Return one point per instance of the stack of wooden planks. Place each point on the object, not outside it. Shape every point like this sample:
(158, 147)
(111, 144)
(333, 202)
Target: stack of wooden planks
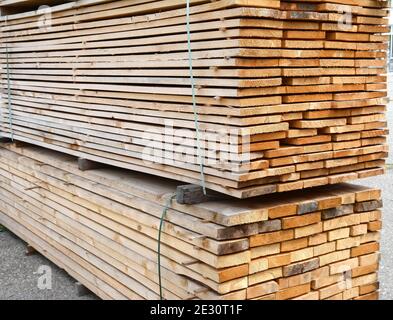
(290, 94)
(101, 226)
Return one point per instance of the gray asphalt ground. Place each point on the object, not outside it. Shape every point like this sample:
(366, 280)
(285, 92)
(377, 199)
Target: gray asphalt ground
(21, 276)
(18, 272)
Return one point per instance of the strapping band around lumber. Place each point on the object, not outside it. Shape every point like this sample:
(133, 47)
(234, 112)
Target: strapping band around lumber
(202, 171)
(164, 212)
(10, 120)
(194, 103)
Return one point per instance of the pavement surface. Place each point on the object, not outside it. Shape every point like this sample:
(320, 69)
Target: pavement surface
(32, 277)
(21, 275)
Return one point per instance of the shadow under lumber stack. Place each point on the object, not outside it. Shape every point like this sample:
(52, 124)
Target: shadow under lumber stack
(290, 95)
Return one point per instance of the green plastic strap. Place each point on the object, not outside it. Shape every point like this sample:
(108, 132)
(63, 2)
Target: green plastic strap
(163, 216)
(194, 103)
(10, 117)
(200, 157)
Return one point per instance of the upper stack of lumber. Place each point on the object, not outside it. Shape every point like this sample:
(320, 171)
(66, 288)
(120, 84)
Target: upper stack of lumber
(292, 84)
(102, 226)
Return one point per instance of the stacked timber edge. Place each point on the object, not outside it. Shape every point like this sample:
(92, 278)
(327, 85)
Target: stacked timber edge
(290, 94)
(101, 226)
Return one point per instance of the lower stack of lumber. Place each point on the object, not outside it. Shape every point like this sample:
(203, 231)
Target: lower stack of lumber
(101, 226)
